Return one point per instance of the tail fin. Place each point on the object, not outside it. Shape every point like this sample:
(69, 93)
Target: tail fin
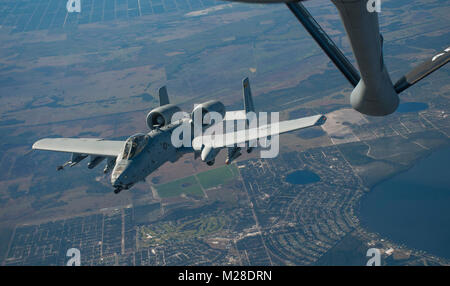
(248, 100)
(248, 107)
(163, 96)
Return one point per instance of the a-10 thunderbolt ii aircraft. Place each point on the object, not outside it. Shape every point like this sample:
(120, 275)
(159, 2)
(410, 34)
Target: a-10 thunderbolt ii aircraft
(133, 160)
(374, 92)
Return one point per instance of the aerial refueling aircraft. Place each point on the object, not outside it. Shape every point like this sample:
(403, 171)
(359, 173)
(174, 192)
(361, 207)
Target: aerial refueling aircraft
(373, 93)
(133, 160)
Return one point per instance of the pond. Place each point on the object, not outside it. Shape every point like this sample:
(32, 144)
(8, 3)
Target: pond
(412, 107)
(302, 177)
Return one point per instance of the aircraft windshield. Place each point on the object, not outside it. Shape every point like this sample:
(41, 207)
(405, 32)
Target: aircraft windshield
(134, 145)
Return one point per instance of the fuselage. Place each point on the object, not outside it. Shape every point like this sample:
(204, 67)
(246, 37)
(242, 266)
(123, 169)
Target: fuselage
(157, 150)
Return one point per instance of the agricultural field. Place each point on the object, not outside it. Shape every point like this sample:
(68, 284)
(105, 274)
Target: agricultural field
(184, 186)
(195, 184)
(218, 176)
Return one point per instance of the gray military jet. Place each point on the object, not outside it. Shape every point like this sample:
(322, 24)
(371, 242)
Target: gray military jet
(133, 160)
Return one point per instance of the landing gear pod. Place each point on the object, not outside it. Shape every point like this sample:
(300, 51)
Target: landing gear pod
(95, 160)
(209, 155)
(109, 165)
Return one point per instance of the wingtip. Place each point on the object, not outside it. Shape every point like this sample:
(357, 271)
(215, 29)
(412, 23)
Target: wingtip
(322, 119)
(35, 145)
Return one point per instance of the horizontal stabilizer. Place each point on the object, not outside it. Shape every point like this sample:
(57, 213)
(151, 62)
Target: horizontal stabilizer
(423, 70)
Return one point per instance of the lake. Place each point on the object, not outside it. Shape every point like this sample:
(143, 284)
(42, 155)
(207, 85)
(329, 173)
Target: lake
(412, 107)
(413, 207)
(302, 177)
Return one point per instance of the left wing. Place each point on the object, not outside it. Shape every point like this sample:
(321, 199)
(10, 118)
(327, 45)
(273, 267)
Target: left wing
(242, 136)
(87, 146)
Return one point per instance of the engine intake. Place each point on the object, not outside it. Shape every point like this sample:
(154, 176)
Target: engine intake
(161, 116)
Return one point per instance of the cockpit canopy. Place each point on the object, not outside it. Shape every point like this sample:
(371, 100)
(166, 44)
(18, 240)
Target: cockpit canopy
(134, 145)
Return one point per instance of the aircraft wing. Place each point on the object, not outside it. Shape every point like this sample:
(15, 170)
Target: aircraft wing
(87, 146)
(241, 136)
(235, 115)
(423, 70)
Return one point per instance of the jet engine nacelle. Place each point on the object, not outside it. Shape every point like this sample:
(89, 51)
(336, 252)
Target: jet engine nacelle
(207, 107)
(161, 116)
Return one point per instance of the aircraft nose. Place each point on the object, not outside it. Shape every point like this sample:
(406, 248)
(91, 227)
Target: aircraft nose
(119, 176)
(122, 182)
(116, 182)
(120, 179)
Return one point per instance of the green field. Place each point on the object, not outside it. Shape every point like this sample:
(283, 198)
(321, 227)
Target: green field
(192, 185)
(216, 177)
(187, 186)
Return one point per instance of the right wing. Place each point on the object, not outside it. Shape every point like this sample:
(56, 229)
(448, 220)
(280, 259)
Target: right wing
(423, 70)
(246, 135)
(87, 146)
(235, 115)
